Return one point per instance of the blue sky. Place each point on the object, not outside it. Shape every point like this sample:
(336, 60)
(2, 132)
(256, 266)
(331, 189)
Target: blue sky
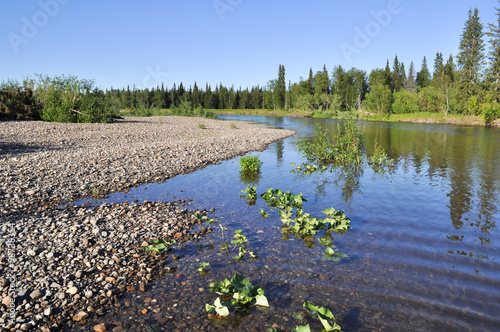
(241, 42)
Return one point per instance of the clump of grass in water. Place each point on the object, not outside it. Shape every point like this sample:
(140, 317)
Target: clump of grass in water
(250, 164)
(346, 149)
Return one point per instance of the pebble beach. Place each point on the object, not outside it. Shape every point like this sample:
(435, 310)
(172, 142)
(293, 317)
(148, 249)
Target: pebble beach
(61, 264)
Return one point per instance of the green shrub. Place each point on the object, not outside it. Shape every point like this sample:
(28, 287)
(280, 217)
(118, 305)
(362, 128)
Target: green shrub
(18, 102)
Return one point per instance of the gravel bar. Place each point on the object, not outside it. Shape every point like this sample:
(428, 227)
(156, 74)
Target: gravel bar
(61, 264)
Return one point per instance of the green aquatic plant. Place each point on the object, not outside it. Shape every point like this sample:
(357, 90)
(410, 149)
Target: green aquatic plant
(280, 199)
(202, 266)
(250, 194)
(380, 158)
(237, 294)
(239, 239)
(346, 149)
(159, 246)
(322, 314)
(250, 163)
(203, 219)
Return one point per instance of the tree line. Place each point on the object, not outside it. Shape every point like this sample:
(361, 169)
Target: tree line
(467, 84)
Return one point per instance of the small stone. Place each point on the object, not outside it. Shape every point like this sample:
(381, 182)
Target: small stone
(6, 301)
(72, 290)
(78, 274)
(31, 253)
(26, 327)
(142, 286)
(4, 282)
(117, 329)
(81, 315)
(47, 311)
(110, 279)
(99, 328)
(36, 294)
(144, 311)
(131, 288)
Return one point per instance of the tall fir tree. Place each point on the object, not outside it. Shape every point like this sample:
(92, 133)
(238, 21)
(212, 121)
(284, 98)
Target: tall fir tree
(310, 81)
(470, 61)
(195, 96)
(397, 83)
(410, 80)
(449, 69)
(438, 74)
(280, 89)
(423, 76)
(493, 72)
(388, 76)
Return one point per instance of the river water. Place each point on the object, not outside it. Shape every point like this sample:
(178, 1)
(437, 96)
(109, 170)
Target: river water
(422, 251)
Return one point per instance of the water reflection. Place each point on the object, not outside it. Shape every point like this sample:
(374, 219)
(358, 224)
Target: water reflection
(462, 161)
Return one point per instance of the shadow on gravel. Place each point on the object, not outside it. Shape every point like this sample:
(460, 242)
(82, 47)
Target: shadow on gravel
(16, 149)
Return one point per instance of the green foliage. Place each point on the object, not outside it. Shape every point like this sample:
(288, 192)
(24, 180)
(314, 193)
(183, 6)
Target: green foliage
(236, 294)
(202, 125)
(69, 99)
(186, 108)
(405, 102)
(239, 239)
(280, 199)
(303, 223)
(159, 246)
(380, 157)
(490, 110)
(346, 149)
(250, 164)
(379, 100)
(323, 314)
(473, 106)
(250, 194)
(18, 103)
(202, 267)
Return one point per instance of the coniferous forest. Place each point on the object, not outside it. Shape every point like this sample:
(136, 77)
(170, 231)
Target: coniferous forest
(466, 84)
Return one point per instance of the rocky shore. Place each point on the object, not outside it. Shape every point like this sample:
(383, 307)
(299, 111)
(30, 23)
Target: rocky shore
(61, 263)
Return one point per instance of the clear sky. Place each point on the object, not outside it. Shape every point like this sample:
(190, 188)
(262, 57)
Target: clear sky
(241, 42)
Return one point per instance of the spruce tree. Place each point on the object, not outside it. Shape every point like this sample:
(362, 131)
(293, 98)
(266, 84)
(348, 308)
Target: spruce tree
(195, 96)
(310, 81)
(396, 76)
(410, 81)
(493, 72)
(280, 89)
(388, 76)
(438, 75)
(470, 60)
(449, 70)
(423, 76)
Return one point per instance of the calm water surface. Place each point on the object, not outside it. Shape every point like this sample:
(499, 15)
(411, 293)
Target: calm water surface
(422, 250)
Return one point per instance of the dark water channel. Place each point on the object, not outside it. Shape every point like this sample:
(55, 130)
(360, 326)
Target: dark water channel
(422, 250)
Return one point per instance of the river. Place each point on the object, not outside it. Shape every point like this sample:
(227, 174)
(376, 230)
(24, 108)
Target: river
(422, 251)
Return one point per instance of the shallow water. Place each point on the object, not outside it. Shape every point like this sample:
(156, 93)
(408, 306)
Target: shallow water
(422, 250)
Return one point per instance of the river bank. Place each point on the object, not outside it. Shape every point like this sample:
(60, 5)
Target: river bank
(61, 264)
